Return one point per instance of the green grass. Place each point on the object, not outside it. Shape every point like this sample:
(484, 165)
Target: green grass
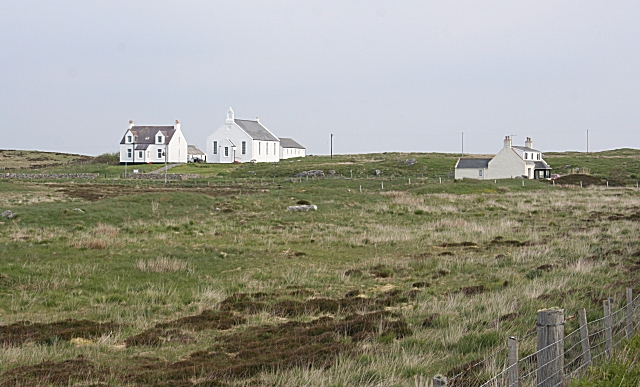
(148, 254)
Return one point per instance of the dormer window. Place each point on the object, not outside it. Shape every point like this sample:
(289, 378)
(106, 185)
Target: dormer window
(159, 139)
(129, 138)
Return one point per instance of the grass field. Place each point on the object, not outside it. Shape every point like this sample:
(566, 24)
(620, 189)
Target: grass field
(211, 282)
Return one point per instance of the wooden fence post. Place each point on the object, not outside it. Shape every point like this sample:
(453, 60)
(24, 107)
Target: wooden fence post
(550, 353)
(584, 337)
(629, 313)
(514, 372)
(608, 324)
(439, 381)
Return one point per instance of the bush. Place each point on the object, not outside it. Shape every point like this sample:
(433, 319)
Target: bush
(107, 158)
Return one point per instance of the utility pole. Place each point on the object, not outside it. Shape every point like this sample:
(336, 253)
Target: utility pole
(462, 153)
(165, 164)
(331, 146)
(587, 140)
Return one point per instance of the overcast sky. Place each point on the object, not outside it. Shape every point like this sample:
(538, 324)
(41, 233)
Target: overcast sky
(379, 75)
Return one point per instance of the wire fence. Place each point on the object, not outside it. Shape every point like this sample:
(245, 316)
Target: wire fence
(555, 352)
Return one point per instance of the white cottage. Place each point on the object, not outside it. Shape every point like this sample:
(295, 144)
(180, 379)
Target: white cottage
(239, 141)
(290, 149)
(511, 162)
(153, 144)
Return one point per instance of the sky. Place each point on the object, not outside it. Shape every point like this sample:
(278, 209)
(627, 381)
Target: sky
(381, 76)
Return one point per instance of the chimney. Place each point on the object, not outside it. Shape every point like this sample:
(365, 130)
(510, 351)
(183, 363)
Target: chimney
(528, 143)
(130, 124)
(177, 125)
(258, 119)
(507, 142)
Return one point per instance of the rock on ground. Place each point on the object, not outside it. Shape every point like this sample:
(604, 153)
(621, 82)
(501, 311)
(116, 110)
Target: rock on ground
(305, 208)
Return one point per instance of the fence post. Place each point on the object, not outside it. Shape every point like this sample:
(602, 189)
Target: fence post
(584, 337)
(629, 313)
(514, 372)
(608, 323)
(550, 369)
(439, 381)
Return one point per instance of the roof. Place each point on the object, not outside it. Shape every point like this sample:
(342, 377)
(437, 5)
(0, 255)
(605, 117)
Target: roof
(194, 150)
(147, 134)
(289, 143)
(542, 165)
(255, 130)
(526, 149)
(142, 146)
(473, 163)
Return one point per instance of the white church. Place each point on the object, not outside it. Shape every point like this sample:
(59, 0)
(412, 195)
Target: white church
(242, 140)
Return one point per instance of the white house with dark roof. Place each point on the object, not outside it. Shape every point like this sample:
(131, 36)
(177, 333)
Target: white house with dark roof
(153, 144)
(289, 148)
(241, 140)
(511, 162)
(194, 154)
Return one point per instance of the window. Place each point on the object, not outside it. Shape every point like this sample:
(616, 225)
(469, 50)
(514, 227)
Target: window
(274, 148)
(140, 154)
(159, 153)
(129, 153)
(244, 147)
(259, 147)
(159, 139)
(480, 172)
(215, 147)
(226, 151)
(128, 138)
(538, 156)
(525, 155)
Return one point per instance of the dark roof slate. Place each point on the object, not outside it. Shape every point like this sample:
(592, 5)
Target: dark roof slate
(147, 134)
(286, 142)
(255, 130)
(526, 149)
(473, 163)
(542, 165)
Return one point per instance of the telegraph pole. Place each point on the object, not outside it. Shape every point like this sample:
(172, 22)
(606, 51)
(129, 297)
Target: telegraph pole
(587, 140)
(332, 146)
(462, 153)
(165, 163)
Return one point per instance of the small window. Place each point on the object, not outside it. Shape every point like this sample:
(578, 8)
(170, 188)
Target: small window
(140, 154)
(159, 153)
(274, 148)
(128, 138)
(525, 155)
(129, 153)
(226, 151)
(538, 156)
(159, 139)
(215, 147)
(480, 172)
(244, 147)
(259, 145)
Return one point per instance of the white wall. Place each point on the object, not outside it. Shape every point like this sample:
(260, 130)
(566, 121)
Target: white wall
(266, 151)
(471, 173)
(288, 153)
(177, 149)
(229, 135)
(506, 165)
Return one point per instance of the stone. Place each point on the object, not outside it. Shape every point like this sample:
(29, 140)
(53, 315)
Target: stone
(78, 210)
(312, 173)
(303, 208)
(377, 172)
(410, 162)
(7, 214)
(332, 172)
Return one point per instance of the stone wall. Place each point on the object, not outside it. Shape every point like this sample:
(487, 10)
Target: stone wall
(160, 176)
(49, 175)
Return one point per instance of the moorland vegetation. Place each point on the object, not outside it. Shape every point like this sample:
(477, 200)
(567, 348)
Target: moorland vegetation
(211, 282)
